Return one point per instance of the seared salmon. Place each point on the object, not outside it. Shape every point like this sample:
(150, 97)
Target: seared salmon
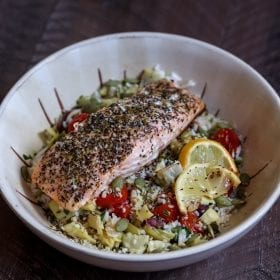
(115, 141)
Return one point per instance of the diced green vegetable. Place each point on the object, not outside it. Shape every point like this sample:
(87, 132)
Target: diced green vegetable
(203, 132)
(131, 81)
(25, 174)
(95, 222)
(88, 104)
(151, 75)
(209, 217)
(77, 230)
(102, 215)
(56, 210)
(215, 228)
(245, 179)
(49, 136)
(133, 229)
(27, 157)
(117, 183)
(130, 90)
(59, 213)
(179, 231)
(157, 246)
(144, 213)
(223, 201)
(195, 239)
(140, 183)
(110, 241)
(103, 91)
(186, 136)
(167, 176)
(122, 225)
(136, 244)
(176, 146)
(90, 206)
(113, 83)
(159, 234)
(108, 101)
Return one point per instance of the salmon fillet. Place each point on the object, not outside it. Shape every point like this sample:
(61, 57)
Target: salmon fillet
(116, 141)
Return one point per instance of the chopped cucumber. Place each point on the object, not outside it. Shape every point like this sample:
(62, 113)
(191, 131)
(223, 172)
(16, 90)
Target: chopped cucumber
(167, 176)
(223, 201)
(157, 246)
(144, 213)
(49, 136)
(113, 83)
(159, 234)
(110, 241)
(134, 229)
(209, 217)
(77, 230)
(136, 244)
(95, 222)
(195, 239)
(89, 104)
(58, 212)
(90, 206)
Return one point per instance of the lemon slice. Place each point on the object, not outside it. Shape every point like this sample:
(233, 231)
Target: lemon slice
(202, 181)
(206, 151)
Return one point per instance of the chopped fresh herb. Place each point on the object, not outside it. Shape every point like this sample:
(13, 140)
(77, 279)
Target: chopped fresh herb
(180, 230)
(27, 157)
(102, 215)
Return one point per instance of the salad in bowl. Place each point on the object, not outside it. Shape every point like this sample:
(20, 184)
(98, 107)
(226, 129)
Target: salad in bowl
(139, 166)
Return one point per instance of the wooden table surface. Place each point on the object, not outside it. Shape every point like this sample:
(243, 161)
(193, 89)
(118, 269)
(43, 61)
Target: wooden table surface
(31, 30)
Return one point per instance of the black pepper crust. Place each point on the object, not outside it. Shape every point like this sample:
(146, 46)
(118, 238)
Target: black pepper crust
(80, 160)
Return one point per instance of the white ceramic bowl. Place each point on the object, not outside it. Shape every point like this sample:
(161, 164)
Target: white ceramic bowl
(241, 94)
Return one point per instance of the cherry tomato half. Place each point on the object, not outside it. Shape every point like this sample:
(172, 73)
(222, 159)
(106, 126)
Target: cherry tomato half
(113, 199)
(190, 221)
(123, 210)
(77, 119)
(168, 212)
(228, 138)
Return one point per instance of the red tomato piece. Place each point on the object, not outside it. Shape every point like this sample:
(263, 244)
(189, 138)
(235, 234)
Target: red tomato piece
(113, 199)
(77, 119)
(168, 212)
(228, 138)
(123, 210)
(190, 221)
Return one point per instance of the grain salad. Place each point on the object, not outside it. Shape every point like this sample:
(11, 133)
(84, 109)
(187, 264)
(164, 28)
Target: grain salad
(139, 166)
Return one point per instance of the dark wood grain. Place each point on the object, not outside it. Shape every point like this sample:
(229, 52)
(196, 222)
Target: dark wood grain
(31, 30)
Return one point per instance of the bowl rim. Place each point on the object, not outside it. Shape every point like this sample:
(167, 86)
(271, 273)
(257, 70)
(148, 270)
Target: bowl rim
(55, 238)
